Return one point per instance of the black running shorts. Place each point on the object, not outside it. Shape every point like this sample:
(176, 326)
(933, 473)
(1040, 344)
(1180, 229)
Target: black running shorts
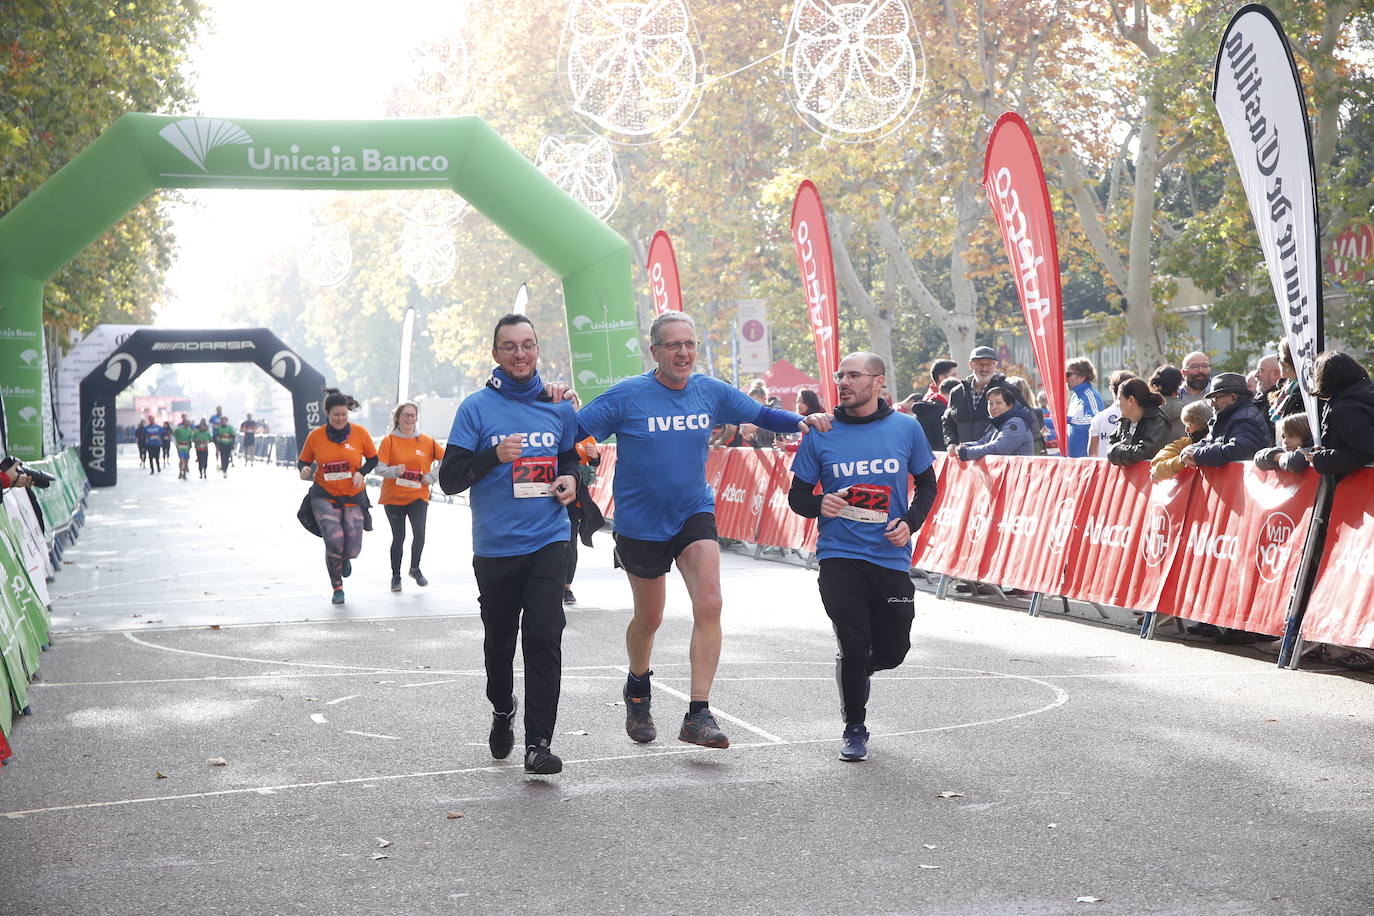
(651, 559)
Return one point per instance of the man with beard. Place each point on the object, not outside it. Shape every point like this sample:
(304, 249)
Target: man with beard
(515, 448)
(1197, 377)
(665, 512)
(866, 526)
(967, 417)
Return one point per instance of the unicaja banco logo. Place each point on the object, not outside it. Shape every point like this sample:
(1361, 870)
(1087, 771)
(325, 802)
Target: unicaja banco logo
(28, 356)
(196, 138)
(28, 414)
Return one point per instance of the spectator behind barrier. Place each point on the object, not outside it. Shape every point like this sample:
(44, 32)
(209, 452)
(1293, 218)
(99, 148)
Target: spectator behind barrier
(1296, 435)
(1197, 376)
(1237, 431)
(1166, 381)
(1196, 417)
(1104, 422)
(1143, 429)
(1008, 430)
(1037, 419)
(808, 402)
(967, 417)
(1084, 403)
(1348, 424)
(1042, 398)
(1286, 398)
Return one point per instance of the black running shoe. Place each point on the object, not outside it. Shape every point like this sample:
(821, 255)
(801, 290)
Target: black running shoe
(395, 583)
(542, 761)
(418, 576)
(855, 746)
(701, 728)
(502, 737)
(639, 723)
(568, 597)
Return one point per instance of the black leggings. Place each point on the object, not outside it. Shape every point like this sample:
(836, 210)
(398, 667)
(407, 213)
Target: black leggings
(154, 459)
(870, 607)
(397, 515)
(203, 458)
(225, 453)
(532, 584)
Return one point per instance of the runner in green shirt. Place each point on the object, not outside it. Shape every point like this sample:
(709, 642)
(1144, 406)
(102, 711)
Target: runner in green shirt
(202, 438)
(182, 434)
(224, 439)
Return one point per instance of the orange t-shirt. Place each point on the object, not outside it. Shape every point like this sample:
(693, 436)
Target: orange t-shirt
(337, 462)
(418, 454)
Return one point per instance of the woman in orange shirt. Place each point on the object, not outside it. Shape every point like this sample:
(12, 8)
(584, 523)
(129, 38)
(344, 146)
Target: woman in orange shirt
(407, 462)
(338, 456)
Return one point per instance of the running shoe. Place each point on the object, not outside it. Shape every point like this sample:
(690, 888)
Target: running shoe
(502, 736)
(639, 723)
(395, 583)
(418, 576)
(568, 597)
(338, 596)
(701, 728)
(347, 568)
(855, 746)
(542, 761)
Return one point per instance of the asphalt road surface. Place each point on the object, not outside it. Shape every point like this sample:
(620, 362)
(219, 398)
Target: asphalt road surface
(210, 735)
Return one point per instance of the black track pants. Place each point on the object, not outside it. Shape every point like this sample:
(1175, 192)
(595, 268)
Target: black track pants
(532, 584)
(416, 511)
(871, 610)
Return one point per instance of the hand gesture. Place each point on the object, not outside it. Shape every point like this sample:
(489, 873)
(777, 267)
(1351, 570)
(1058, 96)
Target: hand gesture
(820, 422)
(510, 448)
(565, 489)
(832, 503)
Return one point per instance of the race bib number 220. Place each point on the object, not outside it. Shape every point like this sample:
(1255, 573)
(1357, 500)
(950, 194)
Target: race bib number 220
(533, 477)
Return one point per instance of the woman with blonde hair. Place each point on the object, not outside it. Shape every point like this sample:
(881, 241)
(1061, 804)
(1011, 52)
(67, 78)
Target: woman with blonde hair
(407, 462)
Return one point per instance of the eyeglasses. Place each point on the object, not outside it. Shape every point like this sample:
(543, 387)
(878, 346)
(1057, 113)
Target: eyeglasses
(1195, 366)
(854, 376)
(676, 345)
(510, 348)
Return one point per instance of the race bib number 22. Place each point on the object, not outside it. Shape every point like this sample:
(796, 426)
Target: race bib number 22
(868, 503)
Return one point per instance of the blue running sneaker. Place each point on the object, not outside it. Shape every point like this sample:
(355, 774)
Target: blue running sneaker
(855, 747)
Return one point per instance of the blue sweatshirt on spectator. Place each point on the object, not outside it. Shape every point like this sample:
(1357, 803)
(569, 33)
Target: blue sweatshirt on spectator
(1009, 434)
(1084, 402)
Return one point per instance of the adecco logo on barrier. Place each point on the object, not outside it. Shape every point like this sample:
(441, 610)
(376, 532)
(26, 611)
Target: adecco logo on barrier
(1271, 553)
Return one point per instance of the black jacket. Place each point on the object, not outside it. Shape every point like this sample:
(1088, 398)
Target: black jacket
(930, 414)
(1235, 435)
(967, 417)
(1347, 431)
(1134, 442)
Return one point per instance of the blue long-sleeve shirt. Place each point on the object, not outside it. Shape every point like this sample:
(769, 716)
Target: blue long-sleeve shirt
(1084, 402)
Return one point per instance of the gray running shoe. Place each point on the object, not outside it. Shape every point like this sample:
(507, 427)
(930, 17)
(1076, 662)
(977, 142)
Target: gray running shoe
(701, 728)
(639, 723)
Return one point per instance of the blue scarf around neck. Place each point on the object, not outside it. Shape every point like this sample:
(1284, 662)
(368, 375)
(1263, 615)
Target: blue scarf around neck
(526, 391)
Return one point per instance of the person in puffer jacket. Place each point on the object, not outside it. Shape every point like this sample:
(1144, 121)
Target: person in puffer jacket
(1237, 432)
(1348, 423)
(1009, 429)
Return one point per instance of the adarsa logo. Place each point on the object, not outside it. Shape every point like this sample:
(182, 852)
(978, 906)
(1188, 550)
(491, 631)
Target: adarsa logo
(98, 451)
(197, 345)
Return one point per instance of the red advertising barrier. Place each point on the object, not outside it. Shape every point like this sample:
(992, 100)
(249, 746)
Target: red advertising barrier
(954, 537)
(779, 526)
(1341, 609)
(1037, 514)
(1240, 547)
(743, 490)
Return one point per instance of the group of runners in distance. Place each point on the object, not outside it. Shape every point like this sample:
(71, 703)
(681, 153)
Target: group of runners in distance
(514, 445)
(155, 441)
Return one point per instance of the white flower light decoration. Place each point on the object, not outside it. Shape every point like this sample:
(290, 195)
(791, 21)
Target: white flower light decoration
(855, 69)
(427, 253)
(632, 67)
(326, 256)
(429, 206)
(438, 84)
(585, 167)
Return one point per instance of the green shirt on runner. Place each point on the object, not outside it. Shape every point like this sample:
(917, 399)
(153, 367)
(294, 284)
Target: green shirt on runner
(224, 434)
(183, 436)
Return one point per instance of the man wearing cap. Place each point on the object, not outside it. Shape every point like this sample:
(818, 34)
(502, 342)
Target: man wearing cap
(967, 417)
(1237, 430)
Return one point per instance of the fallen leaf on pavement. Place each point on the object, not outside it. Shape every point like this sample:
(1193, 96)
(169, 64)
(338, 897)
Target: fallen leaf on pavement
(379, 855)
(453, 814)
(950, 795)
(217, 762)
(214, 626)
(928, 845)
(382, 844)
(1088, 900)
(159, 775)
(927, 866)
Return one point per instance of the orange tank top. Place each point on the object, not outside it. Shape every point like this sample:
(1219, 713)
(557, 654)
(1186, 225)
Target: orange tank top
(337, 462)
(418, 455)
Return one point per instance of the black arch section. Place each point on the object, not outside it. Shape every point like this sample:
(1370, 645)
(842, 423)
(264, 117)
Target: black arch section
(148, 346)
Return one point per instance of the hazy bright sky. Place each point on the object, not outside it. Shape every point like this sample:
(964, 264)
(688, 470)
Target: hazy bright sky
(308, 59)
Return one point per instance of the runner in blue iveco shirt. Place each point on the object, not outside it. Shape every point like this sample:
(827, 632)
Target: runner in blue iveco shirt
(866, 528)
(665, 512)
(515, 449)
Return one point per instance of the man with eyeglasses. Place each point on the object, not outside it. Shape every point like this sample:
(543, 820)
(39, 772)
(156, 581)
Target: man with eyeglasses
(1197, 377)
(515, 448)
(866, 527)
(665, 511)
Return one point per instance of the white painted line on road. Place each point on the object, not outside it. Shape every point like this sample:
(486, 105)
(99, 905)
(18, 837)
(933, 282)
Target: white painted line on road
(767, 736)
(292, 675)
(178, 575)
(370, 735)
(213, 599)
(351, 696)
(267, 661)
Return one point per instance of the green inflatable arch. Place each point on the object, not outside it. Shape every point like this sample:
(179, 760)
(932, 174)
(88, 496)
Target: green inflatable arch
(140, 153)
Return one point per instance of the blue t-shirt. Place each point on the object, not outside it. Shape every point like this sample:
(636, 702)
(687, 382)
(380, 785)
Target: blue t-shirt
(153, 435)
(661, 446)
(505, 524)
(874, 455)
